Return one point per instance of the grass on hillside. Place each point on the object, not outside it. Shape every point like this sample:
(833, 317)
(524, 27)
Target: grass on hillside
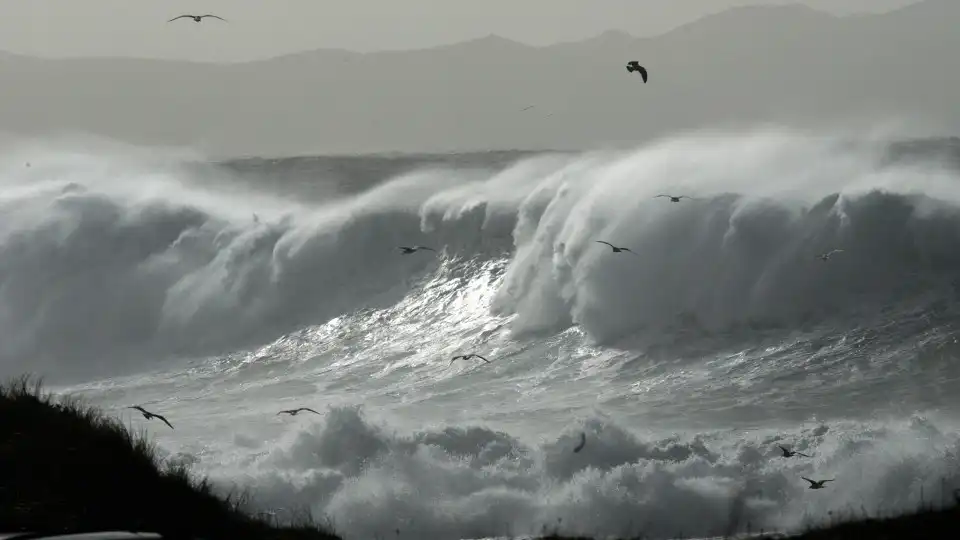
(66, 467)
(928, 523)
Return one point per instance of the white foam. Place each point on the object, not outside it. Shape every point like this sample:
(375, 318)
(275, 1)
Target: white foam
(475, 482)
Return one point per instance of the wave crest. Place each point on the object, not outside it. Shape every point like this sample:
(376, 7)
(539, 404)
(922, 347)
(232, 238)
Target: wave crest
(105, 263)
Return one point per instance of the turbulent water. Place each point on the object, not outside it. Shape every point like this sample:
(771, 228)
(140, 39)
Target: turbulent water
(219, 293)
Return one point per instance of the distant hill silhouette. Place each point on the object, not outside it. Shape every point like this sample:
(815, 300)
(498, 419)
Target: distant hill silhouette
(746, 65)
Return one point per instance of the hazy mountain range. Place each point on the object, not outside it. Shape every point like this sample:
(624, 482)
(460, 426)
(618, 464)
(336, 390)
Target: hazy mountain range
(746, 65)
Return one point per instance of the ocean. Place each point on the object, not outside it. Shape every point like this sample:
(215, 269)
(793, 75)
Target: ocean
(219, 293)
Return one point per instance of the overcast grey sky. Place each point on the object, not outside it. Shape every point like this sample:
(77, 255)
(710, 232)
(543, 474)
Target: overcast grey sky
(264, 28)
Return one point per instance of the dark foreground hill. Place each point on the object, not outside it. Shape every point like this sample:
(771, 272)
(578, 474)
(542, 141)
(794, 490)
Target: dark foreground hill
(931, 524)
(66, 467)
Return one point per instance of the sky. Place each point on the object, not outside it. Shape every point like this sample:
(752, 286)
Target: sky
(266, 28)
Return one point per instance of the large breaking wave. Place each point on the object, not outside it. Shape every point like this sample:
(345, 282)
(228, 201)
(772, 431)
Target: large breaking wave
(103, 260)
(242, 297)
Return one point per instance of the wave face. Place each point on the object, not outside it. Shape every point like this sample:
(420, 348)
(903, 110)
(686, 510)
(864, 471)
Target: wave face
(221, 293)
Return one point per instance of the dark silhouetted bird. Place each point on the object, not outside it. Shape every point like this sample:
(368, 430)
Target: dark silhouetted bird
(615, 248)
(468, 357)
(789, 453)
(817, 484)
(196, 18)
(148, 415)
(294, 412)
(633, 65)
(673, 198)
(583, 442)
(408, 250)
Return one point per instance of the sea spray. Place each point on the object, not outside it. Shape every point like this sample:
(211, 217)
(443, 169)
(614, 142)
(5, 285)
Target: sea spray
(685, 366)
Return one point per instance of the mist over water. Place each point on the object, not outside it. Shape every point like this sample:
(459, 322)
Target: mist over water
(222, 293)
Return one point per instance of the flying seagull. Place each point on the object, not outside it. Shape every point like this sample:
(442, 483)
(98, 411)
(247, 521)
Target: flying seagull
(633, 65)
(673, 198)
(817, 484)
(583, 442)
(408, 250)
(826, 256)
(293, 412)
(196, 18)
(789, 453)
(527, 108)
(615, 248)
(468, 357)
(148, 415)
